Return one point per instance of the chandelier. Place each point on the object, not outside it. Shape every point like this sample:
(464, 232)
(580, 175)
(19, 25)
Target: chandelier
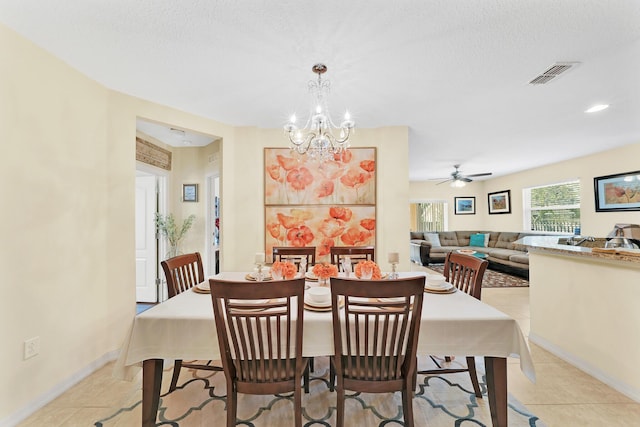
(316, 138)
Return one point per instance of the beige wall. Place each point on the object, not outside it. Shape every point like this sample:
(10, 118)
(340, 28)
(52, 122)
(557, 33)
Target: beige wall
(68, 239)
(619, 160)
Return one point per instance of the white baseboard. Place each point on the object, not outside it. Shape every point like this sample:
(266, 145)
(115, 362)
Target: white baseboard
(40, 401)
(585, 366)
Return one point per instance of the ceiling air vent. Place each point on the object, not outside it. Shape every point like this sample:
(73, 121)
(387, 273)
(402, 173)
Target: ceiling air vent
(552, 72)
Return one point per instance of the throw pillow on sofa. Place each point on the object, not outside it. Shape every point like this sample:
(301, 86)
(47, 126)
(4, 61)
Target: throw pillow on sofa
(479, 240)
(432, 238)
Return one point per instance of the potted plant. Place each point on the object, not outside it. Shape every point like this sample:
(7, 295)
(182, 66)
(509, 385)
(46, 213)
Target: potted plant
(166, 225)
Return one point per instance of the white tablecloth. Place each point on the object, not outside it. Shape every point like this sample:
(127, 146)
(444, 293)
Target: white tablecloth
(452, 324)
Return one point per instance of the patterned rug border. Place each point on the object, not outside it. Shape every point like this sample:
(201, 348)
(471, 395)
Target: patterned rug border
(493, 279)
(448, 399)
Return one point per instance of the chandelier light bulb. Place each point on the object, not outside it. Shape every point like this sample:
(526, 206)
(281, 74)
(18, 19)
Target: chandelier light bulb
(347, 116)
(292, 119)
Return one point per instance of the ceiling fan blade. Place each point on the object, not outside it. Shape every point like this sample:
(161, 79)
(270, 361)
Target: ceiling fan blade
(446, 180)
(480, 174)
(465, 179)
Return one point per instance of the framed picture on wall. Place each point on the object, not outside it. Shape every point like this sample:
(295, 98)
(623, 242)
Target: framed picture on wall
(321, 226)
(500, 202)
(348, 179)
(189, 192)
(619, 192)
(465, 205)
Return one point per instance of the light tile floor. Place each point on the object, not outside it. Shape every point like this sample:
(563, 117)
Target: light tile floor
(563, 396)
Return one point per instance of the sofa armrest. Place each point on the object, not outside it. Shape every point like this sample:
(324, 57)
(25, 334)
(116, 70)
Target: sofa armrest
(419, 251)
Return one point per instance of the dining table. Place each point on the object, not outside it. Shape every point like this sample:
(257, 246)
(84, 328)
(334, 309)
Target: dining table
(183, 327)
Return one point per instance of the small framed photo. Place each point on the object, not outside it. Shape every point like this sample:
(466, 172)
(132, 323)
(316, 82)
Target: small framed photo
(500, 202)
(189, 192)
(619, 192)
(465, 205)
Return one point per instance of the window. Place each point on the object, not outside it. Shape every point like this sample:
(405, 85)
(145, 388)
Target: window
(554, 208)
(429, 216)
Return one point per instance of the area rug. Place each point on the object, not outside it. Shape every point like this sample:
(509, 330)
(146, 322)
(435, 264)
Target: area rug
(493, 279)
(440, 401)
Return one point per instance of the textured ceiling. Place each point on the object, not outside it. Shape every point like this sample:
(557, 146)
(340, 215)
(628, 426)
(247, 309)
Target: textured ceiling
(455, 72)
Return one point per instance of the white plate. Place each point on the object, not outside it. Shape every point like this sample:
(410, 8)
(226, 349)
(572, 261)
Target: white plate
(204, 286)
(466, 251)
(308, 301)
(440, 287)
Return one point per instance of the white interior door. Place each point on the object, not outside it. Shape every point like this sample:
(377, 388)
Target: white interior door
(146, 244)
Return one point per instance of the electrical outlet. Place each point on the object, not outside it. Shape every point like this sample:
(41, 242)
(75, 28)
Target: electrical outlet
(31, 347)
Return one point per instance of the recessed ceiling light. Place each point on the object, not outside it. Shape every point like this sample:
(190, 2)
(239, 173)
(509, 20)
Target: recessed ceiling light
(596, 108)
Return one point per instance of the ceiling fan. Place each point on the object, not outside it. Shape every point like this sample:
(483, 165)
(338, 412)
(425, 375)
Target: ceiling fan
(458, 179)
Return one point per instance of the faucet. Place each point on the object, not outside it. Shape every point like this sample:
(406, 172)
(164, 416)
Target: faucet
(573, 242)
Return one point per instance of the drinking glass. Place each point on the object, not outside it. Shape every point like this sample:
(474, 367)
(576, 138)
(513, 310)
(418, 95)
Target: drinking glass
(346, 266)
(366, 272)
(276, 274)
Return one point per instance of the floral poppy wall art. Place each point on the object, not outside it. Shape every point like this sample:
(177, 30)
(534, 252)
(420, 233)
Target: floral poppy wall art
(319, 226)
(293, 179)
(319, 203)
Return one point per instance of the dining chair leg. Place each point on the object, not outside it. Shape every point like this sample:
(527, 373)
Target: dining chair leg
(232, 404)
(305, 377)
(332, 375)
(340, 406)
(297, 406)
(177, 365)
(471, 364)
(407, 404)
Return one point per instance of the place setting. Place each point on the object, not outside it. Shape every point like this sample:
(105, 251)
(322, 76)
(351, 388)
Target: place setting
(437, 284)
(258, 274)
(318, 298)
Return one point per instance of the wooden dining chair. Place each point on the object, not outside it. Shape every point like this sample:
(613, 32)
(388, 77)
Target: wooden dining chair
(260, 341)
(375, 332)
(356, 253)
(295, 254)
(182, 273)
(465, 272)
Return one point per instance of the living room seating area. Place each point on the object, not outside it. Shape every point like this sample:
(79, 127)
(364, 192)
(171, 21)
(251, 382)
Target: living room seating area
(501, 251)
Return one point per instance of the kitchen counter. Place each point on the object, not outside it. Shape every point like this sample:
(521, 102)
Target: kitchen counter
(549, 245)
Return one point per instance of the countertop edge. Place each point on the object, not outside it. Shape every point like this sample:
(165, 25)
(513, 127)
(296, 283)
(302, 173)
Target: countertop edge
(548, 245)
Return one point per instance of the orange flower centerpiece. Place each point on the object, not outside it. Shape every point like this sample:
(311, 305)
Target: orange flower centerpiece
(324, 271)
(286, 270)
(375, 275)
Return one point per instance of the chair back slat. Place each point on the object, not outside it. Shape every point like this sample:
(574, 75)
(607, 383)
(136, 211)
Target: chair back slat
(465, 272)
(375, 333)
(259, 329)
(356, 253)
(295, 255)
(182, 272)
